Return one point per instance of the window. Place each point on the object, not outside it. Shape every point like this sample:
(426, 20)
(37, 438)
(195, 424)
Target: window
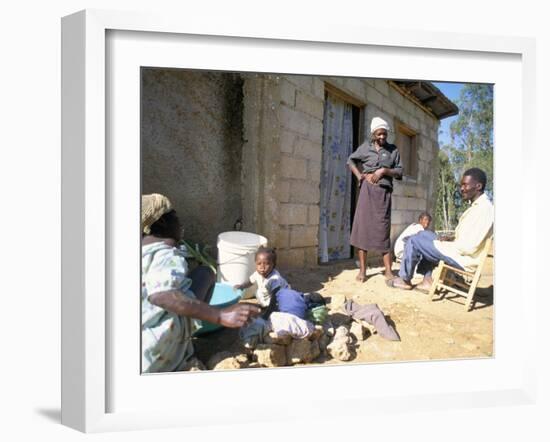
(405, 140)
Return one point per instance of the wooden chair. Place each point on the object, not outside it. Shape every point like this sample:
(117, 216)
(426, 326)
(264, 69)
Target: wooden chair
(443, 278)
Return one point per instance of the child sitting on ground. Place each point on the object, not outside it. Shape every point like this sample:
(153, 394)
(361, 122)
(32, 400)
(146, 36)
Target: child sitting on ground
(266, 277)
(424, 220)
(284, 308)
(274, 292)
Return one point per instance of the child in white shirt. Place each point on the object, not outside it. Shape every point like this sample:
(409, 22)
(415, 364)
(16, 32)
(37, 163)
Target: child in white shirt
(424, 221)
(266, 277)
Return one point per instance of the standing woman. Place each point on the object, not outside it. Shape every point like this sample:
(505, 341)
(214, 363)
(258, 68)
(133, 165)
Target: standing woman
(375, 164)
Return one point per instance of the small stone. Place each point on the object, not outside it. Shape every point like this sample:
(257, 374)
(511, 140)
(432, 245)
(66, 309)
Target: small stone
(342, 333)
(300, 350)
(194, 364)
(273, 338)
(323, 341)
(339, 349)
(271, 355)
(224, 361)
(357, 331)
(316, 334)
(242, 359)
(328, 328)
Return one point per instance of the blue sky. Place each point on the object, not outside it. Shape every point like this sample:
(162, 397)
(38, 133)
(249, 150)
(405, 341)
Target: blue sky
(451, 91)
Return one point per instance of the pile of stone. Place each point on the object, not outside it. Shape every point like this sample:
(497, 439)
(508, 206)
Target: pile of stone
(336, 338)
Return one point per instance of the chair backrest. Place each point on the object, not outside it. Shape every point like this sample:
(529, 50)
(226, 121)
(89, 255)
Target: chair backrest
(487, 248)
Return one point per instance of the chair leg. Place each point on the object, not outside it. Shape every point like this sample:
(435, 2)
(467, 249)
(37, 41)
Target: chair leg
(435, 280)
(473, 286)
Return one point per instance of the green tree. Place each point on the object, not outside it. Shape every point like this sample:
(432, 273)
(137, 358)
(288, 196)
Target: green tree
(445, 207)
(471, 146)
(472, 132)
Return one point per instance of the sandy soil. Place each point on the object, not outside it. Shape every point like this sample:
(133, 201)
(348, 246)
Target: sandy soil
(440, 329)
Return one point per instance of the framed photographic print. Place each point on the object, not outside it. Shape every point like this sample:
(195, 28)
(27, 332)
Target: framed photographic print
(233, 124)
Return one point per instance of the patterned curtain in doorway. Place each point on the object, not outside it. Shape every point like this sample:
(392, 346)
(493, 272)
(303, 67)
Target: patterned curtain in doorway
(334, 225)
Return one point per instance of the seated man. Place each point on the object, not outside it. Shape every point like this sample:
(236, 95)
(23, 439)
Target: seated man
(474, 227)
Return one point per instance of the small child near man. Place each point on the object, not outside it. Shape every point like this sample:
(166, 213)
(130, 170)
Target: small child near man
(424, 220)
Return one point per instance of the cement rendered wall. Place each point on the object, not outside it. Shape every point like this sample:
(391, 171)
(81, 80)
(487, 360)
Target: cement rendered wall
(191, 146)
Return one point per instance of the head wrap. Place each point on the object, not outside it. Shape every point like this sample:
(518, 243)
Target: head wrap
(153, 206)
(378, 123)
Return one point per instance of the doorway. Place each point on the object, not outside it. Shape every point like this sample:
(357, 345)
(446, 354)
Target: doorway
(341, 136)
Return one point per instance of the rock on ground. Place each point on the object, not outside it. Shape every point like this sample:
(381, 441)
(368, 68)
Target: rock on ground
(271, 355)
(339, 348)
(194, 364)
(342, 333)
(302, 350)
(357, 331)
(273, 338)
(227, 361)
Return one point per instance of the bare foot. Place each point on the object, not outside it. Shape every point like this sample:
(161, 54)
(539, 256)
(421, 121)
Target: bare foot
(388, 275)
(425, 285)
(361, 277)
(398, 283)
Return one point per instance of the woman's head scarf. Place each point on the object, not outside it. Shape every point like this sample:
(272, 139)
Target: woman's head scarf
(153, 206)
(378, 123)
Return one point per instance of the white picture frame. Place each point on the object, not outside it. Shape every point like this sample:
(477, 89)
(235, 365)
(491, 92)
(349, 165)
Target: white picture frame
(87, 214)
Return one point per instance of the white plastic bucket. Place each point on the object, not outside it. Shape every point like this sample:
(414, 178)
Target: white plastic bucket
(236, 252)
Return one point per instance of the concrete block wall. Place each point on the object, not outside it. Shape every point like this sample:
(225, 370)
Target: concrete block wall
(283, 119)
(411, 196)
(300, 110)
(414, 195)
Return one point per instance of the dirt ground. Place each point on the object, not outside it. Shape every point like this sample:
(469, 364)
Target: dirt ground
(440, 329)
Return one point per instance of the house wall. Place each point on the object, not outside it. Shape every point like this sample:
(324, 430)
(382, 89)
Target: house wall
(192, 145)
(297, 104)
(225, 146)
(301, 132)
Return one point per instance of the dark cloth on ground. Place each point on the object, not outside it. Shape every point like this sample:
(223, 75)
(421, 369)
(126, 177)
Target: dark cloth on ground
(420, 250)
(372, 314)
(314, 300)
(372, 219)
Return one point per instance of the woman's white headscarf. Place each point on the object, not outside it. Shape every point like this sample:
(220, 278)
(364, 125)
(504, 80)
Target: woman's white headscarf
(378, 123)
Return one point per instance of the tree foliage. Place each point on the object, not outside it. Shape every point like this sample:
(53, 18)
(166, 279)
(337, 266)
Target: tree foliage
(471, 146)
(445, 207)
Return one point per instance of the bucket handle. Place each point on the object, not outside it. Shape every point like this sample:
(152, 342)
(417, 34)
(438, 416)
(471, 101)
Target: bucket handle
(237, 257)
